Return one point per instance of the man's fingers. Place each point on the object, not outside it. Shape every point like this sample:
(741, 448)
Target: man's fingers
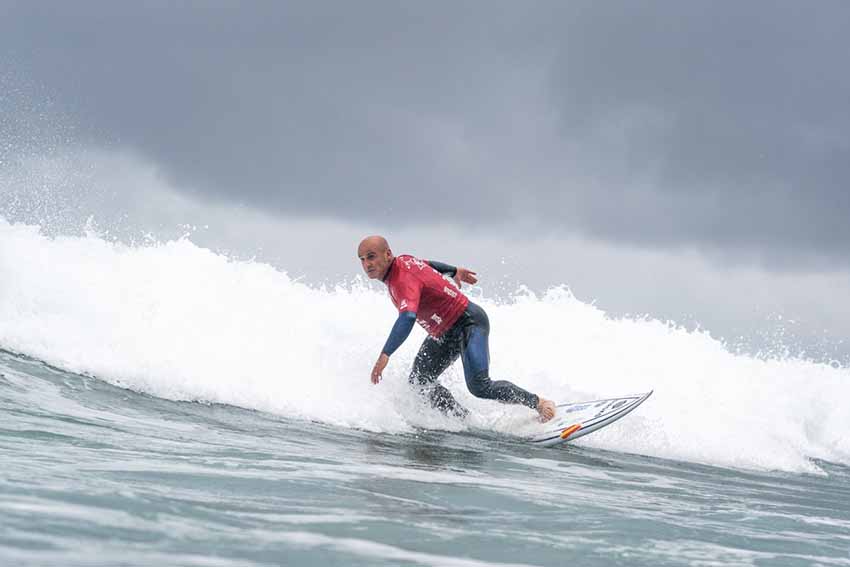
(378, 369)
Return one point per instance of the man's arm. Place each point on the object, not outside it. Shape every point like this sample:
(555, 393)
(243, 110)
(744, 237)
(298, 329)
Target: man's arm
(406, 292)
(458, 274)
(400, 331)
(443, 268)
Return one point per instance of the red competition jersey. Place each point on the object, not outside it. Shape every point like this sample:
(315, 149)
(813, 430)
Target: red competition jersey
(415, 286)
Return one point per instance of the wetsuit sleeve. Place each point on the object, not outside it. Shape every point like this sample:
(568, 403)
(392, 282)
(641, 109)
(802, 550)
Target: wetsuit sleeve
(400, 332)
(443, 268)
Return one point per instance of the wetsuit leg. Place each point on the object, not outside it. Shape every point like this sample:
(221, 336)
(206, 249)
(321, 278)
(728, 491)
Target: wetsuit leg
(433, 358)
(476, 364)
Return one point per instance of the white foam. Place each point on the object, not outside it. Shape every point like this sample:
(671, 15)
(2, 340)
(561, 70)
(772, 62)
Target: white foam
(178, 321)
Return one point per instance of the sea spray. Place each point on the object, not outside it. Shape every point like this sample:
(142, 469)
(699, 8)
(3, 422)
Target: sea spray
(178, 321)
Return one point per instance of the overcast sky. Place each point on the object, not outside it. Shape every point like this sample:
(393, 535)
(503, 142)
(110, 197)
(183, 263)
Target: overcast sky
(711, 128)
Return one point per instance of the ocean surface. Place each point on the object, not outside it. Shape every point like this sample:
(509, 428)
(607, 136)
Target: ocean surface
(166, 405)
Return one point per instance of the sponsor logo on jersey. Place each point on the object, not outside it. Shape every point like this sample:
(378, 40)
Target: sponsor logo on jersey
(450, 292)
(415, 262)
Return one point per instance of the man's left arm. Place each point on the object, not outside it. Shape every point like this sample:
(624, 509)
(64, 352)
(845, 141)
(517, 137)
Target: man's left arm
(445, 269)
(458, 274)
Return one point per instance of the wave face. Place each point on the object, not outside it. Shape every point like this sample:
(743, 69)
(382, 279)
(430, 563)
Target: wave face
(180, 322)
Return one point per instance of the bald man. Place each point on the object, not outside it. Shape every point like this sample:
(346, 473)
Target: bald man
(456, 328)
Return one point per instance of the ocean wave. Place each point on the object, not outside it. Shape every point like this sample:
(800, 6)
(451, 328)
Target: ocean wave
(178, 321)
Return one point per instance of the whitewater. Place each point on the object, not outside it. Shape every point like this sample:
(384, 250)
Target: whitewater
(164, 403)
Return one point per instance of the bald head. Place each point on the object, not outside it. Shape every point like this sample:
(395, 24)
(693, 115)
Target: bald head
(375, 256)
(374, 242)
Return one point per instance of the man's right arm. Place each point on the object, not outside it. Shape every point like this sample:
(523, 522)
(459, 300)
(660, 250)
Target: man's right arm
(407, 291)
(398, 334)
(400, 331)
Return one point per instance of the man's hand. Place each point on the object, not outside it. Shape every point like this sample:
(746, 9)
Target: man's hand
(464, 275)
(379, 368)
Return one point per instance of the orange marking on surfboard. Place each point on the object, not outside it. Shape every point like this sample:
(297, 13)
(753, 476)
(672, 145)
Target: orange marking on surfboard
(570, 430)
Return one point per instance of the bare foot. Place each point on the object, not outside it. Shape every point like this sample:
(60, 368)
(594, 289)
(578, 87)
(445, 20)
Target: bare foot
(546, 409)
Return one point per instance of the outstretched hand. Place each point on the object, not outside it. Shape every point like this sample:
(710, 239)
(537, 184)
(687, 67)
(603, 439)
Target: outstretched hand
(378, 369)
(465, 275)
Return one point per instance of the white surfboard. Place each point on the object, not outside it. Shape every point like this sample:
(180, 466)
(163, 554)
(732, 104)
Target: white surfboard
(572, 421)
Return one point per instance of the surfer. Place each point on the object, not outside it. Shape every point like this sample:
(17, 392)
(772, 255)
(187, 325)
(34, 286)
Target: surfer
(456, 328)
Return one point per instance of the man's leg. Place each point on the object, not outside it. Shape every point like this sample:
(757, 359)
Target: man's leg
(433, 358)
(476, 367)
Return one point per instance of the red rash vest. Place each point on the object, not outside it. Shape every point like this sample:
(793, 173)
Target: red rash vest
(417, 287)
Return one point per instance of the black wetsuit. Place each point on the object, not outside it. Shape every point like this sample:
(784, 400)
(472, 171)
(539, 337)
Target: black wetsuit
(468, 339)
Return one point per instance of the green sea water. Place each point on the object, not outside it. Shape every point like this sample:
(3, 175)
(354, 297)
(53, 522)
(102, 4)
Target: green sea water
(93, 474)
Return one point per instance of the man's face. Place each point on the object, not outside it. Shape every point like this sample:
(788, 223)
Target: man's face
(375, 260)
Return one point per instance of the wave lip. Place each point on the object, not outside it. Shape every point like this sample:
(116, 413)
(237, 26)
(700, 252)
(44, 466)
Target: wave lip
(181, 322)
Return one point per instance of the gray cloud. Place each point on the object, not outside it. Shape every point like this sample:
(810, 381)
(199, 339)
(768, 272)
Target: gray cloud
(729, 119)
(655, 124)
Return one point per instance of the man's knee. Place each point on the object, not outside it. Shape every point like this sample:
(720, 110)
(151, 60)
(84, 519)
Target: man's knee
(479, 385)
(420, 378)
(442, 400)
